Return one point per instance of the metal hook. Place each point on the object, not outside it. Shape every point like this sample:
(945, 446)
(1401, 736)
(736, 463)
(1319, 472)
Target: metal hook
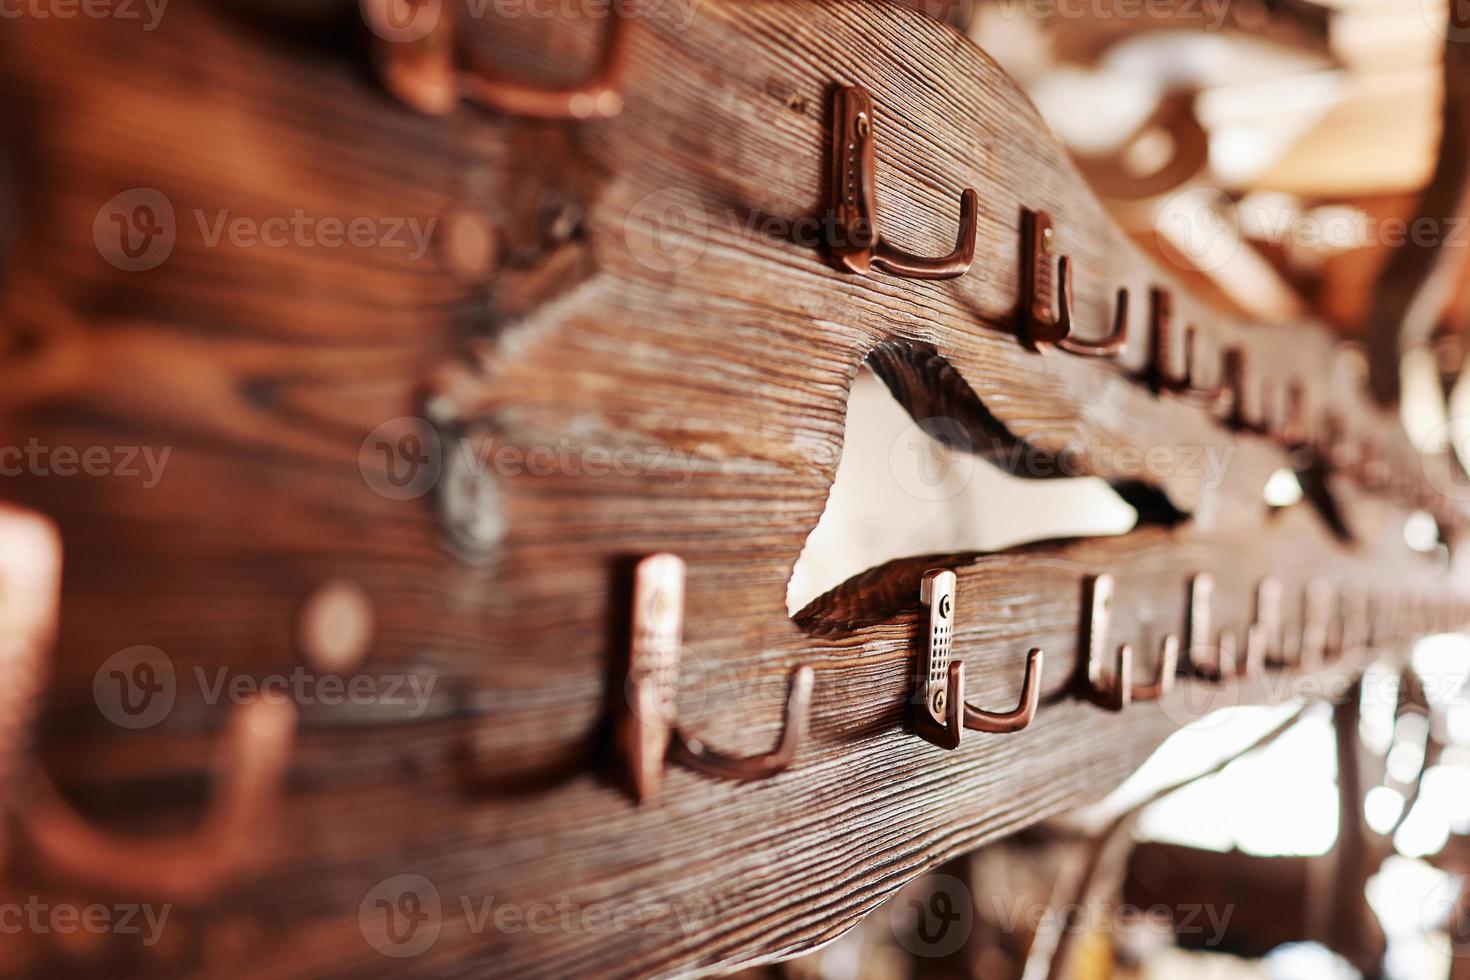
(941, 712)
(1115, 689)
(251, 764)
(1269, 621)
(1226, 664)
(858, 246)
(1164, 675)
(1353, 625)
(250, 768)
(1331, 445)
(423, 67)
(1041, 325)
(649, 734)
(1294, 426)
(1161, 376)
(1234, 384)
(1317, 599)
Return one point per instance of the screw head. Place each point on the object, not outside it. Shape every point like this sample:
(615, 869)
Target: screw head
(1046, 240)
(938, 701)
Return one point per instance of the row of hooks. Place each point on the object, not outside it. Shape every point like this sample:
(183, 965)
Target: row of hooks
(1280, 413)
(650, 735)
(1046, 318)
(1045, 314)
(434, 71)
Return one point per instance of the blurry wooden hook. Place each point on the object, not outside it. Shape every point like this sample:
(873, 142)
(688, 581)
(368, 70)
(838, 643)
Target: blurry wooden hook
(250, 768)
(857, 243)
(252, 762)
(1235, 395)
(1161, 375)
(1225, 664)
(1228, 665)
(1164, 674)
(1041, 324)
(940, 711)
(1317, 600)
(1114, 689)
(426, 64)
(1269, 620)
(1294, 424)
(649, 733)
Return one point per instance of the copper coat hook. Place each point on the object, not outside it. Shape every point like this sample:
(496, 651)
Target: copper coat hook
(857, 243)
(1114, 689)
(1269, 621)
(940, 712)
(1237, 409)
(250, 768)
(1294, 425)
(432, 72)
(1162, 377)
(1317, 600)
(1040, 322)
(1226, 664)
(649, 734)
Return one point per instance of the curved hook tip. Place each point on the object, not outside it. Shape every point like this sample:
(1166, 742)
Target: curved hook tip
(1005, 722)
(691, 751)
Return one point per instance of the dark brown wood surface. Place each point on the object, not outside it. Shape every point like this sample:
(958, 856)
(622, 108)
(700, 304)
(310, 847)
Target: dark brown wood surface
(266, 369)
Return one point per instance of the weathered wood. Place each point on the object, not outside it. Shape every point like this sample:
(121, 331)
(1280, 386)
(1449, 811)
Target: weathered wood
(724, 380)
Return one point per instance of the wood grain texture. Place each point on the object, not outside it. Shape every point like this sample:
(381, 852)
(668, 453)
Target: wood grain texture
(723, 379)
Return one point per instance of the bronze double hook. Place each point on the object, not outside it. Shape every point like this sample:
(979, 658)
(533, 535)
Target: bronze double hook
(426, 65)
(649, 734)
(857, 242)
(1114, 688)
(250, 767)
(1226, 664)
(1041, 323)
(1162, 377)
(940, 711)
